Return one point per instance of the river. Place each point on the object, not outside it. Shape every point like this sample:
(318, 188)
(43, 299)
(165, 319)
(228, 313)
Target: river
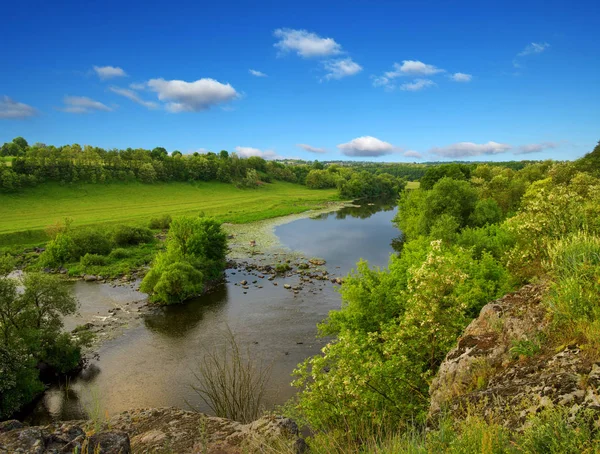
(152, 363)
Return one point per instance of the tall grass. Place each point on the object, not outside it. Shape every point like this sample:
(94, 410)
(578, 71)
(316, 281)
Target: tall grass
(574, 297)
(230, 383)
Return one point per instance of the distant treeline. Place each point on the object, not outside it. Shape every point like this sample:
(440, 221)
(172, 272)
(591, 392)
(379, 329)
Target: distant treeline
(26, 165)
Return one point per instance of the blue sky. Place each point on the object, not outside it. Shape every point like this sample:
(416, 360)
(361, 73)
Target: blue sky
(385, 81)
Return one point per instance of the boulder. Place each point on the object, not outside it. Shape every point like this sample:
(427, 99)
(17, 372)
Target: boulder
(154, 430)
(484, 374)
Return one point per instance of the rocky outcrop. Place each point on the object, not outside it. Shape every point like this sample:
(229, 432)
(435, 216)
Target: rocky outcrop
(503, 366)
(155, 430)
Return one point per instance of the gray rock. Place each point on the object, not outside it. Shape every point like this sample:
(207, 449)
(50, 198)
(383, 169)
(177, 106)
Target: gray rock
(109, 442)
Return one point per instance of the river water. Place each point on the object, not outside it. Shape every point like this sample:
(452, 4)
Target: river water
(153, 363)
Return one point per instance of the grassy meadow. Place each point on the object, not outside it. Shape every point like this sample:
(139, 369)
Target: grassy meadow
(25, 215)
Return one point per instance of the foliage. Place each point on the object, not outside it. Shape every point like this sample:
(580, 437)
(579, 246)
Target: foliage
(161, 222)
(393, 331)
(195, 253)
(92, 260)
(30, 325)
(125, 235)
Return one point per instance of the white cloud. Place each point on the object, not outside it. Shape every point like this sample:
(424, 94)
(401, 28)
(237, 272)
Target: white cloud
(407, 68)
(413, 154)
(134, 97)
(336, 69)
(417, 85)
(367, 146)
(306, 44)
(108, 72)
(533, 48)
(82, 104)
(246, 152)
(137, 86)
(535, 147)
(11, 109)
(467, 149)
(256, 73)
(311, 149)
(182, 96)
(461, 77)
(413, 68)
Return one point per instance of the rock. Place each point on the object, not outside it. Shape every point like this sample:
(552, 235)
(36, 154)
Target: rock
(109, 442)
(287, 286)
(317, 262)
(89, 278)
(244, 282)
(484, 374)
(11, 424)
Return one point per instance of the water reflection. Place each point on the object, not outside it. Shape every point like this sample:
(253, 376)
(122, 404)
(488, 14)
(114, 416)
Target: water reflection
(361, 209)
(177, 320)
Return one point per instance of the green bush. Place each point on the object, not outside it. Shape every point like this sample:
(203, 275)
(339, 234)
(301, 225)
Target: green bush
(125, 235)
(89, 240)
(178, 282)
(92, 260)
(195, 253)
(58, 251)
(160, 223)
(119, 253)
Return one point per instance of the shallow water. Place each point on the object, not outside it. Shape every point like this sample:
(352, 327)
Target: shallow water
(152, 363)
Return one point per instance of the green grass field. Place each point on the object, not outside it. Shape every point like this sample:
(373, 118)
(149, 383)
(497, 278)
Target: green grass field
(25, 215)
(413, 185)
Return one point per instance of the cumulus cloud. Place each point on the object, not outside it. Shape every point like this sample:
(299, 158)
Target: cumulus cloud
(337, 69)
(11, 109)
(108, 72)
(407, 68)
(417, 85)
(461, 77)
(535, 147)
(311, 149)
(256, 73)
(246, 152)
(82, 104)
(533, 48)
(306, 44)
(413, 68)
(413, 154)
(130, 94)
(367, 146)
(182, 96)
(468, 149)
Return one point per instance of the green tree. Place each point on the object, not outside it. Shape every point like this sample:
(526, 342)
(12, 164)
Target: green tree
(159, 153)
(30, 333)
(195, 253)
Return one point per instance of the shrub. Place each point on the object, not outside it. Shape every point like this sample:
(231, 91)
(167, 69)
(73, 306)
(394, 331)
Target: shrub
(58, 251)
(230, 383)
(163, 222)
(92, 260)
(89, 240)
(195, 253)
(125, 235)
(119, 253)
(179, 281)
